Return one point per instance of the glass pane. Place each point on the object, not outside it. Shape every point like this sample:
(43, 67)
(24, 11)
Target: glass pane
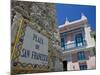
(81, 56)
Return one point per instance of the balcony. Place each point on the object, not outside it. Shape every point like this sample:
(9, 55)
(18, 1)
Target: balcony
(71, 46)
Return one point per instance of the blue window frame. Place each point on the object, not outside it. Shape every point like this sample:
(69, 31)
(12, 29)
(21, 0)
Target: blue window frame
(79, 40)
(62, 43)
(81, 55)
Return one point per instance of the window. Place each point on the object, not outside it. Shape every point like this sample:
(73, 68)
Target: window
(83, 67)
(79, 40)
(81, 55)
(62, 42)
(63, 34)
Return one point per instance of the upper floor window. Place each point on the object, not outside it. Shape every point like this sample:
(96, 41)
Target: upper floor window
(63, 34)
(81, 55)
(79, 40)
(62, 42)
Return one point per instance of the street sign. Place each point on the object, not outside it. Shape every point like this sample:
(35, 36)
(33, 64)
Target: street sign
(34, 48)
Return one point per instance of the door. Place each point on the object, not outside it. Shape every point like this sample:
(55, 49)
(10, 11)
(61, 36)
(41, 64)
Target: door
(65, 65)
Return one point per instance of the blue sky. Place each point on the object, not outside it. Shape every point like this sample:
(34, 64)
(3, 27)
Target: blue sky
(73, 12)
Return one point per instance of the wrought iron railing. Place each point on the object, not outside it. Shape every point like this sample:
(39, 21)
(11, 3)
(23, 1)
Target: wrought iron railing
(74, 45)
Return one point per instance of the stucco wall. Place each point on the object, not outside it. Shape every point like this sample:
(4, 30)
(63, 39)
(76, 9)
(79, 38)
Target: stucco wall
(91, 63)
(73, 66)
(90, 41)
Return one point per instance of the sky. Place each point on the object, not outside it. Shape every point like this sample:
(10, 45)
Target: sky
(73, 12)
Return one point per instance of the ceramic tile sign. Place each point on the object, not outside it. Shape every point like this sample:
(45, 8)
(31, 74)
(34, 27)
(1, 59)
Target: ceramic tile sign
(34, 48)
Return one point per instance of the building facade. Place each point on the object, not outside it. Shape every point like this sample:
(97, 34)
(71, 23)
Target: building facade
(78, 45)
(35, 40)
